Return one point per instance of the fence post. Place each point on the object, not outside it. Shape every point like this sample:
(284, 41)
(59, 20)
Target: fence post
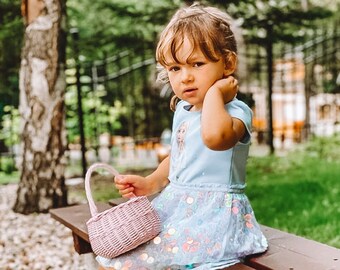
(269, 48)
(75, 36)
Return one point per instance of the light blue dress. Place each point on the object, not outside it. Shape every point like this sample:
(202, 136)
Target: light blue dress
(207, 220)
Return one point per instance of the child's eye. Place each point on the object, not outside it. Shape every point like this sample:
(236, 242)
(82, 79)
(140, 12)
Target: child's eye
(198, 64)
(173, 68)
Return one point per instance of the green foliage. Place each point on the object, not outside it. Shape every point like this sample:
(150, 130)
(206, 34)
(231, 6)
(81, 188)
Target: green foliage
(10, 126)
(11, 35)
(12, 178)
(299, 193)
(7, 165)
(98, 116)
(324, 148)
(8, 171)
(290, 20)
(129, 24)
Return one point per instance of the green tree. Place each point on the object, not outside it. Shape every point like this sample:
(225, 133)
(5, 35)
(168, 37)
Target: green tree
(130, 26)
(121, 25)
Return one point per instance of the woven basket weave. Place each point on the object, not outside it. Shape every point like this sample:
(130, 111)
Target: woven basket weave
(123, 227)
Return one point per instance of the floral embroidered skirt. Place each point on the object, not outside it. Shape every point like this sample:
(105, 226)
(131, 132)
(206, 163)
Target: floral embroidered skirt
(201, 229)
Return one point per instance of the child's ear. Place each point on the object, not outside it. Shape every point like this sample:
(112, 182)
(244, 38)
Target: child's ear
(230, 64)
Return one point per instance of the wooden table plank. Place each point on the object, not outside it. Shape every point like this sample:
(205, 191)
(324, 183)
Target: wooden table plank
(75, 217)
(288, 251)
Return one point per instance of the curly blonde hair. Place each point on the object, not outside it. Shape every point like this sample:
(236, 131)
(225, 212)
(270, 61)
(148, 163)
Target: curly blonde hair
(207, 28)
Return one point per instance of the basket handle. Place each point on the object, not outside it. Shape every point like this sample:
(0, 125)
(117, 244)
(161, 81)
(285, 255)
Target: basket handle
(93, 167)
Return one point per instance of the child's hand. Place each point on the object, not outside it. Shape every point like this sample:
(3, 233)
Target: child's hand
(128, 185)
(228, 87)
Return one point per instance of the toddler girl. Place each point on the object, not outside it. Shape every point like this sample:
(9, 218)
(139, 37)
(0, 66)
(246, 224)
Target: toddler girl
(207, 220)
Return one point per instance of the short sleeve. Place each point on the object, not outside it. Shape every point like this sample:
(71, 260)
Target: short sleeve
(238, 109)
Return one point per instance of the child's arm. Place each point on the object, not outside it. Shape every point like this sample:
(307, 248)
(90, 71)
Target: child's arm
(219, 130)
(144, 186)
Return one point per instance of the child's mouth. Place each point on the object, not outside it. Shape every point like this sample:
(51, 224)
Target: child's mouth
(190, 90)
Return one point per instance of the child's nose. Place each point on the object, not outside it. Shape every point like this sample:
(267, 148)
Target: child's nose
(187, 76)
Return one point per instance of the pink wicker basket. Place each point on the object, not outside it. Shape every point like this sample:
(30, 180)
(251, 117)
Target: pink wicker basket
(123, 227)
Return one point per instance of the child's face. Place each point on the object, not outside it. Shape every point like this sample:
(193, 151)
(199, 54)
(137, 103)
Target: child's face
(194, 75)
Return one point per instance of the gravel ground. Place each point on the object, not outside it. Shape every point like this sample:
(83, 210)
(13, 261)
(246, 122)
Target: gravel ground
(35, 242)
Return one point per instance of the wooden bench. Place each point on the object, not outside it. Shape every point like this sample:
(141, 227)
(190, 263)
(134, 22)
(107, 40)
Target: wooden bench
(286, 251)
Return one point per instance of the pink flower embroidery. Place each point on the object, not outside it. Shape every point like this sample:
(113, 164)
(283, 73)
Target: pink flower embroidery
(127, 265)
(215, 248)
(248, 218)
(235, 210)
(190, 245)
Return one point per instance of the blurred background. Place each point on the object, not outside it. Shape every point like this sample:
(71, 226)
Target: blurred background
(288, 72)
(115, 112)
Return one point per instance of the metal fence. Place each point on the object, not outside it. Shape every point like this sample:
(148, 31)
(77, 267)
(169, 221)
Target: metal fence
(293, 90)
(299, 95)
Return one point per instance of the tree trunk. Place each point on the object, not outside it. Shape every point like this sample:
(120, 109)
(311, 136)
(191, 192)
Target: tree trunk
(42, 87)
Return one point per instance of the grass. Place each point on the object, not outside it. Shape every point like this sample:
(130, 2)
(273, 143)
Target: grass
(299, 193)
(11, 178)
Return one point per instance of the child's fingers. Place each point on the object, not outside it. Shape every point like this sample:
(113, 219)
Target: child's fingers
(127, 193)
(232, 80)
(119, 179)
(122, 186)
